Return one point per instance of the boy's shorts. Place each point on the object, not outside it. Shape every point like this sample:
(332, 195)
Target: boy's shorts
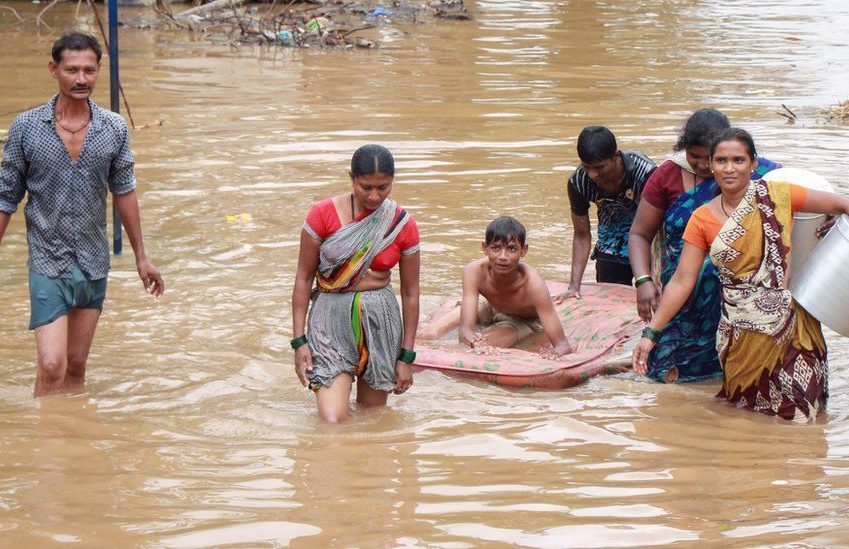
(523, 326)
(50, 298)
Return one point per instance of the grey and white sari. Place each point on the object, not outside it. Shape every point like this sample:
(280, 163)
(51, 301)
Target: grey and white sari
(358, 333)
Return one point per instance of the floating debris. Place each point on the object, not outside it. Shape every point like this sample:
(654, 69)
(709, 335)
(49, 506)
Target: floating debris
(299, 23)
(838, 113)
(240, 218)
(451, 10)
(155, 123)
(788, 114)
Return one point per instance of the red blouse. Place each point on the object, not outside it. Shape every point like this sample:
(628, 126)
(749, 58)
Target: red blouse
(324, 220)
(664, 185)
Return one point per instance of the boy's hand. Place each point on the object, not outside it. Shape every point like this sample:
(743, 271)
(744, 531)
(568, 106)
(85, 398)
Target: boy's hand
(480, 346)
(568, 294)
(549, 352)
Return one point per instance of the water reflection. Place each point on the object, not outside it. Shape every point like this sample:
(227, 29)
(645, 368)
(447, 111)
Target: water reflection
(358, 488)
(62, 482)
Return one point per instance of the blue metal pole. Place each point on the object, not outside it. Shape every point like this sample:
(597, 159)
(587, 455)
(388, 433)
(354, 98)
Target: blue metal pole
(114, 95)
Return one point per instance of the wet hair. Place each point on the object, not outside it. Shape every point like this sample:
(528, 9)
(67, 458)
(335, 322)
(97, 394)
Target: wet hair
(735, 134)
(596, 143)
(700, 129)
(75, 41)
(371, 160)
(504, 229)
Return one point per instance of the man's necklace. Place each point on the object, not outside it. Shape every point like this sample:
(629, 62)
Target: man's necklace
(69, 130)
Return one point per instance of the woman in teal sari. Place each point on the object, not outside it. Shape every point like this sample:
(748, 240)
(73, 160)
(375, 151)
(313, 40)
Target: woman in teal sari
(686, 349)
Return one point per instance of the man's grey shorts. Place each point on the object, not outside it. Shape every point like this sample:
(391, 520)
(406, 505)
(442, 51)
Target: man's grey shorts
(50, 298)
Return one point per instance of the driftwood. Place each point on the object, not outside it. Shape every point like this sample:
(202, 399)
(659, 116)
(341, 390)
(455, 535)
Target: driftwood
(209, 8)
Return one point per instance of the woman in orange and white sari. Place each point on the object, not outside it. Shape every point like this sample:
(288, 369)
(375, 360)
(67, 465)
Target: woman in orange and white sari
(772, 351)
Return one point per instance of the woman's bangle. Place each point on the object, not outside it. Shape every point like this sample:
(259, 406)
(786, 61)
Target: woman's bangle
(299, 341)
(406, 355)
(640, 279)
(651, 333)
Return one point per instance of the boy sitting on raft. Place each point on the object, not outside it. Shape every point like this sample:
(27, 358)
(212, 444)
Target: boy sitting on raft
(516, 300)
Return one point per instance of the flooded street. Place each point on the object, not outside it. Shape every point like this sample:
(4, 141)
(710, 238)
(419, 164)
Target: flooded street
(194, 430)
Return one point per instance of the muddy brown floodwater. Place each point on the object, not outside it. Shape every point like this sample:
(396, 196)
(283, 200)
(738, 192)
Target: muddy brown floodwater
(194, 430)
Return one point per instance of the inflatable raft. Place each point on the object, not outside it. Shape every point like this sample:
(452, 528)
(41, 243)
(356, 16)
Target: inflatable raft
(599, 326)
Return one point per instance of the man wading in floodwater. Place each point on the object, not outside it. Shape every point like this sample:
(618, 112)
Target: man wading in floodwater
(66, 154)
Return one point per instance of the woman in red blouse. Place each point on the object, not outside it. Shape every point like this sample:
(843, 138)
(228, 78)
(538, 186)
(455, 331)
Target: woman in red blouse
(349, 245)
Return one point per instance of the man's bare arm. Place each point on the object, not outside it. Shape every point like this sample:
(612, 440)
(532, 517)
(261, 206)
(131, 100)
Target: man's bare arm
(128, 207)
(581, 243)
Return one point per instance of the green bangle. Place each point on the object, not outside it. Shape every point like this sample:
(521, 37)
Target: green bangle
(651, 333)
(299, 341)
(640, 279)
(407, 356)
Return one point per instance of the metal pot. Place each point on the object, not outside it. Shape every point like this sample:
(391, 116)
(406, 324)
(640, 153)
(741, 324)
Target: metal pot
(803, 237)
(821, 286)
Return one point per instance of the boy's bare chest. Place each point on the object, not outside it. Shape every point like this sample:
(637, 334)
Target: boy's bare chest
(512, 301)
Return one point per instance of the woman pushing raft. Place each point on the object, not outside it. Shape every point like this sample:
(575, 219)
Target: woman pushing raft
(349, 244)
(686, 348)
(772, 352)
